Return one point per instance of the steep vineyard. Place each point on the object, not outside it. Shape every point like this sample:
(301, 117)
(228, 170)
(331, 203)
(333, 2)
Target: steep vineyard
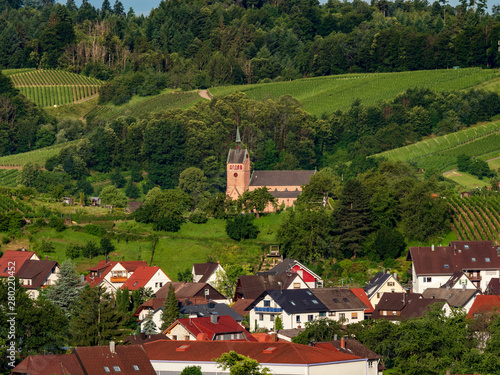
(476, 218)
(54, 87)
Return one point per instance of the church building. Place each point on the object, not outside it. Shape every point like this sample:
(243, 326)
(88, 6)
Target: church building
(285, 186)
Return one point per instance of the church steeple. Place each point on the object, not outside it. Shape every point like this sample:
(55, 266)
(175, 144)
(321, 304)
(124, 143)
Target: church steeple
(238, 139)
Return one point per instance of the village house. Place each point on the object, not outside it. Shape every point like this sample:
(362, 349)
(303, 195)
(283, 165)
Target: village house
(485, 305)
(252, 286)
(171, 357)
(311, 279)
(112, 275)
(457, 298)
(207, 272)
(342, 304)
(37, 274)
(210, 328)
(192, 293)
(285, 186)
(148, 278)
(383, 282)
(120, 359)
(12, 260)
(432, 266)
(361, 294)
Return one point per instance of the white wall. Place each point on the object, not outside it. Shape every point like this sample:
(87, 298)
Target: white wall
(159, 277)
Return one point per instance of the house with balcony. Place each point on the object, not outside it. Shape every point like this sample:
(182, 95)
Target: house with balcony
(433, 266)
(112, 274)
(343, 304)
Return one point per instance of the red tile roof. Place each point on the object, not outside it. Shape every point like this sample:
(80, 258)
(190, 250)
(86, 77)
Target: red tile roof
(284, 353)
(19, 257)
(458, 256)
(361, 294)
(484, 304)
(95, 358)
(61, 364)
(140, 277)
(225, 324)
(105, 268)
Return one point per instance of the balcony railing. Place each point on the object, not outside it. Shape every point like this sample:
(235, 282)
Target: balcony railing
(269, 309)
(116, 279)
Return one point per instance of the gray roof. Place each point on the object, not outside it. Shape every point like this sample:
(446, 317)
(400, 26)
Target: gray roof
(281, 178)
(236, 156)
(455, 297)
(375, 283)
(283, 266)
(294, 301)
(205, 310)
(339, 299)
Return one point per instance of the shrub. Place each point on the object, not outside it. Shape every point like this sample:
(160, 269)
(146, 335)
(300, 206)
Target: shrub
(94, 230)
(198, 217)
(241, 227)
(57, 224)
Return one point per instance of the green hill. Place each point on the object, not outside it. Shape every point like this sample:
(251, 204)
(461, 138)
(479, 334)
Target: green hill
(328, 94)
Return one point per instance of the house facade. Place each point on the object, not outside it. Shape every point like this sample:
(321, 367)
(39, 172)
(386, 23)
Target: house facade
(383, 282)
(207, 272)
(433, 266)
(152, 278)
(311, 279)
(37, 274)
(112, 274)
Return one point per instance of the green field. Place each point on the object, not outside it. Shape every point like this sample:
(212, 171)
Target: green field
(466, 180)
(37, 156)
(441, 152)
(8, 177)
(327, 94)
(49, 88)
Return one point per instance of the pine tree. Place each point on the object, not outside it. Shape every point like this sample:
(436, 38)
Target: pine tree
(67, 288)
(170, 308)
(95, 319)
(150, 326)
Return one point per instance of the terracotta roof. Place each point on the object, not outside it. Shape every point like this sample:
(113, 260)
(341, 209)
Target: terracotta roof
(352, 346)
(188, 290)
(102, 265)
(240, 306)
(361, 294)
(105, 268)
(17, 256)
(280, 178)
(225, 324)
(294, 301)
(338, 299)
(236, 156)
(458, 256)
(280, 353)
(493, 286)
(94, 360)
(140, 277)
(455, 297)
(252, 286)
(52, 364)
(205, 269)
(37, 271)
(484, 304)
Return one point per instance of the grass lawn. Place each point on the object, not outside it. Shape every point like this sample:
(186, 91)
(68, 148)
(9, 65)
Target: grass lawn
(74, 111)
(466, 180)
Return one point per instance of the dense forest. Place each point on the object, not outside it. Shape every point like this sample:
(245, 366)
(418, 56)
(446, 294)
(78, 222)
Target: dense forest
(199, 43)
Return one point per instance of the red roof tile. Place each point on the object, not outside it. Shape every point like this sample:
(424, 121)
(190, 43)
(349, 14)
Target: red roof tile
(361, 294)
(140, 277)
(61, 364)
(19, 257)
(225, 324)
(202, 351)
(484, 304)
(105, 268)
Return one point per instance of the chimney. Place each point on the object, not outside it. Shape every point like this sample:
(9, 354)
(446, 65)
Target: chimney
(112, 347)
(274, 337)
(335, 337)
(213, 317)
(432, 247)
(342, 342)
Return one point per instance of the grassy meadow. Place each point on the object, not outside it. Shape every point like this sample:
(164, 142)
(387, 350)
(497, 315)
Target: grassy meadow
(328, 94)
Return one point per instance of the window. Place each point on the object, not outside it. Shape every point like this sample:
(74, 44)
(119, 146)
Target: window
(332, 313)
(135, 283)
(446, 266)
(297, 318)
(394, 313)
(323, 313)
(345, 299)
(106, 368)
(136, 368)
(314, 301)
(292, 303)
(466, 247)
(174, 337)
(487, 259)
(370, 364)
(296, 285)
(341, 315)
(186, 338)
(267, 303)
(427, 279)
(378, 295)
(261, 316)
(310, 318)
(116, 368)
(271, 317)
(336, 300)
(390, 283)
(473, 259)
(354, 315)
(158, 285)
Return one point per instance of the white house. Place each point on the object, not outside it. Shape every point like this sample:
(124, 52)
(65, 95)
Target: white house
(206, 272)
(148, 278)
(380, 284)
(37, 274)
(112, 275)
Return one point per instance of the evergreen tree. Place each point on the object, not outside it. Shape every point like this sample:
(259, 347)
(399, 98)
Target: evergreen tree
(170, 308)
(67, 287)
(117, 179)
(131, 190)
(123, 300)
(118, 8)
(106, 7)
(150, 326)
(95, 319)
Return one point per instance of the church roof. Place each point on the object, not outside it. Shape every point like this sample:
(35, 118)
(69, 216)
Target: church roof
(280, 178)
(236, 156)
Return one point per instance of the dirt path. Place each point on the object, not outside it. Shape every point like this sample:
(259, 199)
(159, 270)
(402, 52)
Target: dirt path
(205, 94)
(86, 99)
(18, 167)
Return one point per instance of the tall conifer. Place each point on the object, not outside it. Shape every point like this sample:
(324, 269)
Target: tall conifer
(170, 308)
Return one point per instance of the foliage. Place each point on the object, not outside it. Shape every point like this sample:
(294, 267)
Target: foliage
(170, 308)
(476, 167)
(192, 370)
(198, 217)
(149, 325)
(185, 276)
(240, 365)
(110, 195)
(319, 330)
(66, 289)
(278, 324)
(95, 319)
(225, 281)
(241, 227)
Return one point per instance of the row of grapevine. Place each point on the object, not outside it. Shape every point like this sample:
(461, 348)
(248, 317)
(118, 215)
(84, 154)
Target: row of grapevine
(52, 78)
(8, 204)
(476, 218)
(8, 177)
(45, 96)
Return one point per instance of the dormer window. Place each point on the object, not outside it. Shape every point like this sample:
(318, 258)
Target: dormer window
(117, 369)
(446, 266)
(487, 259)
(473, 259)
(106, 368)
(466, 247)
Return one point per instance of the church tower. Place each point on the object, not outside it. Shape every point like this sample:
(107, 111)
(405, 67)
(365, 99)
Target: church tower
(238, 170)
